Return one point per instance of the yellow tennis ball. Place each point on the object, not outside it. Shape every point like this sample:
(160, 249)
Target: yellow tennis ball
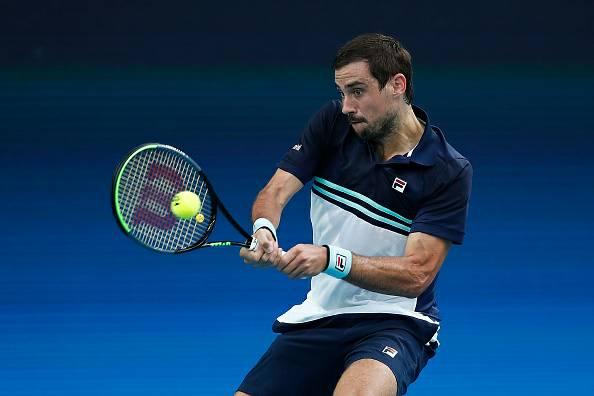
(185, 205)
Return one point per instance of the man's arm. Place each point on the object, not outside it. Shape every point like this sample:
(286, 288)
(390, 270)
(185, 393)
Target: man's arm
(407, 276)
(271, 201)
(269, 204)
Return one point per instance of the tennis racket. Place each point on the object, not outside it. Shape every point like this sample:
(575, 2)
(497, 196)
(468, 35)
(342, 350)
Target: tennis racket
(144, 184)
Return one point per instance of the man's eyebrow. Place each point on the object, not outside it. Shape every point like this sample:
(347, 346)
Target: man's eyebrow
(353, 84)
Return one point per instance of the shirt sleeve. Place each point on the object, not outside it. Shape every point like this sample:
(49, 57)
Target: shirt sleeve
(303, 159)
(445, 212)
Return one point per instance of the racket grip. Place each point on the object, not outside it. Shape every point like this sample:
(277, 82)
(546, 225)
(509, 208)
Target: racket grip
(253, 244)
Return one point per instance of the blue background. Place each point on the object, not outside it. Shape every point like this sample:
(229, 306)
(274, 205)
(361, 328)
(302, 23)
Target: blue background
(85, 311)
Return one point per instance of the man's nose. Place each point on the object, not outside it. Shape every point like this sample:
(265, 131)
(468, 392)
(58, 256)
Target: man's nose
(347, 107)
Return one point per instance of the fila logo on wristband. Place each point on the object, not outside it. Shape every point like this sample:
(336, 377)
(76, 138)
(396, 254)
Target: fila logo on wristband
(339, 262)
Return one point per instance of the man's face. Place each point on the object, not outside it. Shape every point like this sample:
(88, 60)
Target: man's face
(372, 112)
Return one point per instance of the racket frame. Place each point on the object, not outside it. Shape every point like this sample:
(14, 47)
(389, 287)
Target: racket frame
(216, 204)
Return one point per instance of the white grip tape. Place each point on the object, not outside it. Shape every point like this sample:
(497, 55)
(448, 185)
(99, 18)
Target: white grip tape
(339, 262)
(262, 222)
(253, 245)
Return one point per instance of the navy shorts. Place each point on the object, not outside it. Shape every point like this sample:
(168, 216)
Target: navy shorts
(309, 358)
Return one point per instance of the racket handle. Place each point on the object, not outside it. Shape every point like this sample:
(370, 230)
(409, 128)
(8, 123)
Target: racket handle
(253, 244)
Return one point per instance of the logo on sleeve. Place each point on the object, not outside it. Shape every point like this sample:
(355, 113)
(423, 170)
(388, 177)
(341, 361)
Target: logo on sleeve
(340, 262)
(390, 351)
(297, 147)
(399, 185)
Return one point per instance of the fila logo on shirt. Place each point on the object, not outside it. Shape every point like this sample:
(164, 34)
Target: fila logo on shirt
(297, 147)
(340, 262)
(390, 351)
(399, 185)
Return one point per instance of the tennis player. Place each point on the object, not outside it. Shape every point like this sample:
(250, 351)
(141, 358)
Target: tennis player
(389, 197)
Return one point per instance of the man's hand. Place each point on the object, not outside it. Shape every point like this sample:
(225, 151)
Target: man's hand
(267, 252)
(303, 261)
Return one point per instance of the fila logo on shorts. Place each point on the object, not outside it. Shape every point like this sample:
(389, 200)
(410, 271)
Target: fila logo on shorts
(390, 351)
(340, 262)
(399, 185)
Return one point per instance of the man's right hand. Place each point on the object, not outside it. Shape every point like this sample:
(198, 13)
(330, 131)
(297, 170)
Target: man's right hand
(267, 252)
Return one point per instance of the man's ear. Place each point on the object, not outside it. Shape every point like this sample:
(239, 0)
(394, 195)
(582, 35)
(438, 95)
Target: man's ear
(398, 84)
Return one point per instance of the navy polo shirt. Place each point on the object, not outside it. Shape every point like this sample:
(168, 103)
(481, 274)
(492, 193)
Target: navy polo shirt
(370, 206)
(437, 177)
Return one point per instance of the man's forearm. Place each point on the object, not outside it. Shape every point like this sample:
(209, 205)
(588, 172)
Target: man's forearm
(267, 206)
(400, 276)
(407, 275)
(274, 196)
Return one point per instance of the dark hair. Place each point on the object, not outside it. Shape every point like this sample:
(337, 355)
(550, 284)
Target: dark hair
(385, 56)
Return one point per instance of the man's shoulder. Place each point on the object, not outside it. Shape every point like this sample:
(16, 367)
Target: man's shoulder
(330, 122)
(332, 107)
(331, 114)
(449, 159)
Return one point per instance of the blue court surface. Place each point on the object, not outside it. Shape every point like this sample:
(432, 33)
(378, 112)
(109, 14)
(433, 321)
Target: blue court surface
(86, 311)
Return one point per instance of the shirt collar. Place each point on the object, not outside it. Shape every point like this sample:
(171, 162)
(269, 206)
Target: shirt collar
(425, 151)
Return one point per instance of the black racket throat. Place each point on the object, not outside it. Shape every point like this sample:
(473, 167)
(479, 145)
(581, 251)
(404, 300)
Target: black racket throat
(234, 223)
(204, 243)
(218, 205)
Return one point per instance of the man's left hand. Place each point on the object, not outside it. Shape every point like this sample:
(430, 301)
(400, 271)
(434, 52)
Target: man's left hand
(303, 261)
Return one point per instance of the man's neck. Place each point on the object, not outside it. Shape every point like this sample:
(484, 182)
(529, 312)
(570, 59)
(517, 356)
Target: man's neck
(407, 135)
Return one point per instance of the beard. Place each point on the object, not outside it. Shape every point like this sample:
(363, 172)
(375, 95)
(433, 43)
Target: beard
(381, 129)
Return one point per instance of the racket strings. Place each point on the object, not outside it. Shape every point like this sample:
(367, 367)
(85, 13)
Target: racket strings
(159, 229)
(183, 237)
(171, 241)
(132, 184)
(190, 230)
(159, 239)
(140, 229)
(178, 239)
(164, 240)
(148, 234)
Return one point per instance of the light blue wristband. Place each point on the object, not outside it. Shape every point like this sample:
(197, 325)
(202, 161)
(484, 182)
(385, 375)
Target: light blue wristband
(264, 223)
(339, 262)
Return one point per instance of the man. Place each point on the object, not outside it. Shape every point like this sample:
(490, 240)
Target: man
(389, 197)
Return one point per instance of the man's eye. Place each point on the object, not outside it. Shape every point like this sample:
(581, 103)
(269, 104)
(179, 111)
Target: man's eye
(357, 92)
